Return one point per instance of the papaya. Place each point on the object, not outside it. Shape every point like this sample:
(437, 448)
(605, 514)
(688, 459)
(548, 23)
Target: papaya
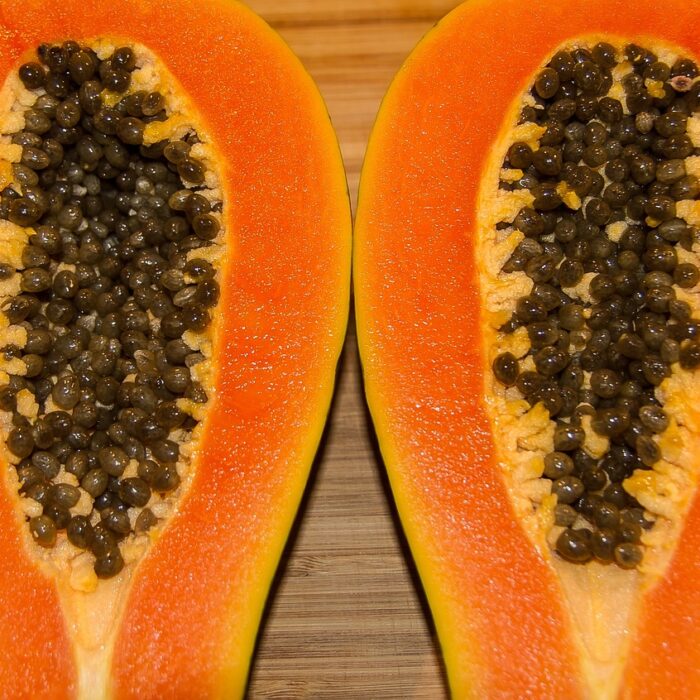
(174, 283)
(526, 287)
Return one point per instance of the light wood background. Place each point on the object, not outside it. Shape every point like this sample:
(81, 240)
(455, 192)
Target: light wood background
(346, 617)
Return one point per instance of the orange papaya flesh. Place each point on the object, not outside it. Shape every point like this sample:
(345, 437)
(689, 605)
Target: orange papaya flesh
(505, 613)
(183, 623)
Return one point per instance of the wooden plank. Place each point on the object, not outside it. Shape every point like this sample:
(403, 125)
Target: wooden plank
(347, 618)
(284, 13)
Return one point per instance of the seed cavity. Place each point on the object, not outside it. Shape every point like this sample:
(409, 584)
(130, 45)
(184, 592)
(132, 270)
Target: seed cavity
(111, 228)
(591, 292)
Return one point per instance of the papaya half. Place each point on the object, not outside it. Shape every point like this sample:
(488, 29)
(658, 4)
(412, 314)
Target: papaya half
(526, 270)
(174, 283)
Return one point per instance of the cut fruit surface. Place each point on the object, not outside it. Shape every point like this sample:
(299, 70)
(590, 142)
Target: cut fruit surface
(112, 221)
(175, 283)
(483, 423)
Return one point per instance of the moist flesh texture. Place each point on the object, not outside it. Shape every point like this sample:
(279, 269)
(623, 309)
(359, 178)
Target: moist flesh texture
(110, 217)
(589, 241)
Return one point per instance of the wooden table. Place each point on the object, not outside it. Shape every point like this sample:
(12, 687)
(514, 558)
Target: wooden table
(347, 617)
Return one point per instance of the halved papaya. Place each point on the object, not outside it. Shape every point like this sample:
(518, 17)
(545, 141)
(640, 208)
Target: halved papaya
(526, 270)
(175, 266)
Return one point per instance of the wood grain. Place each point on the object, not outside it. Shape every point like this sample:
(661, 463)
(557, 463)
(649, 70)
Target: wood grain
(346, 616)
